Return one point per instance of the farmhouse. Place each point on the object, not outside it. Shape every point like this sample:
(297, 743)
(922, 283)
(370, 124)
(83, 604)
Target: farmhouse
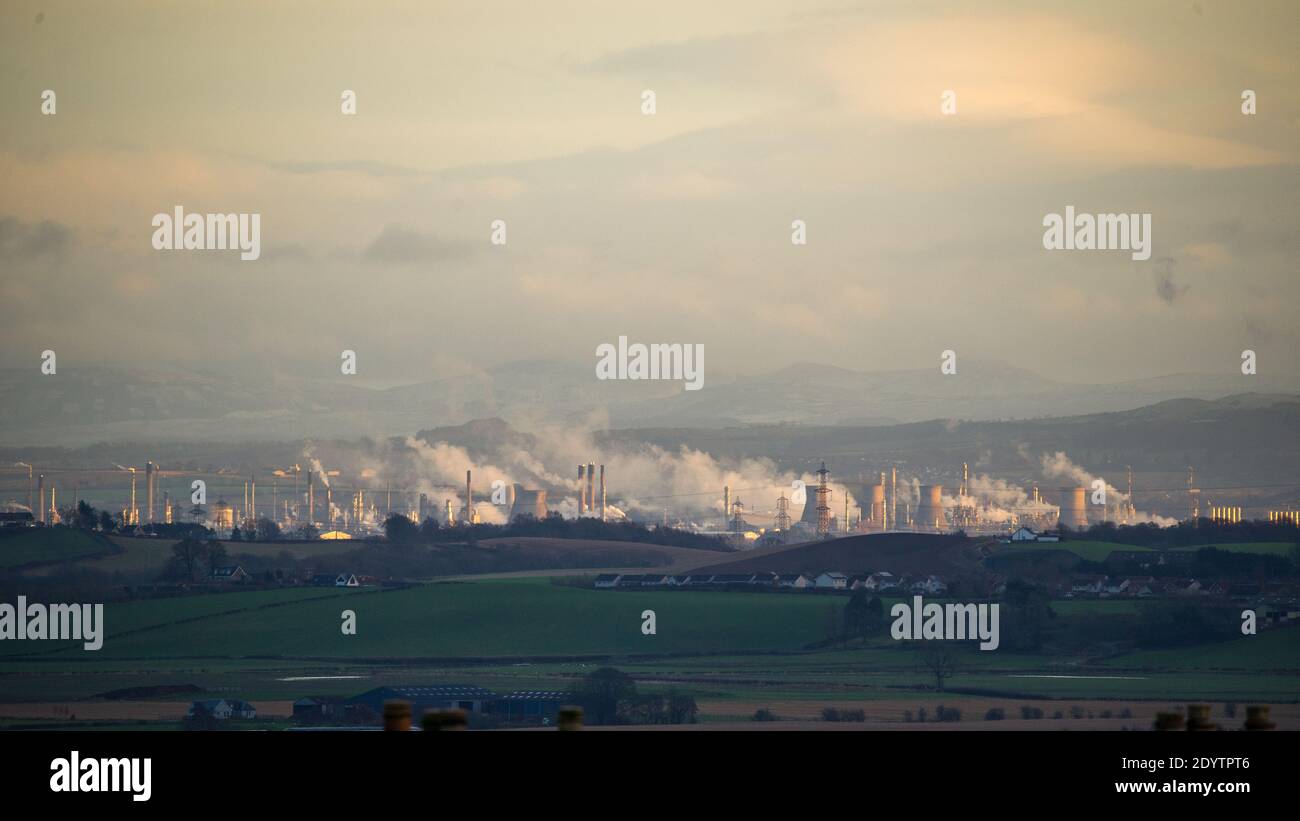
(529, 706)
(229, 574)
(832, 581)
(221, 709)
(317, 708)
(465, 697)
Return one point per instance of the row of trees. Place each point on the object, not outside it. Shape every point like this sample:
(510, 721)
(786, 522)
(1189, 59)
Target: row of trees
(609, 696)
(399, 529)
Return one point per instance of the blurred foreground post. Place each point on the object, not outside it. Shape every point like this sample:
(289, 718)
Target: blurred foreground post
(1257, 718)
(570, 718)
(1198, 717)
(435, 720)
(397, 715)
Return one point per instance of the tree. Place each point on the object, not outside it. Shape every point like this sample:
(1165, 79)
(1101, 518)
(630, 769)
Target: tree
(308, 533)
(400, 529)
(86, 516)
(267, 530)
(863, 615)
(429, 530)
(939, 662)
(216, 554)
(236, 535)
(1025, 616)
(106, 522)
(188, 555)
(600, 693)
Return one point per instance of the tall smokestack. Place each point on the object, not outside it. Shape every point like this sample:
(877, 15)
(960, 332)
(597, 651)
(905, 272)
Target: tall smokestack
(893, 496)
(582, 491)
(40, 498)
(469, 501)
(602, 493)
(726, 505)
(252, 498)
(591, 486)
(149, 478)
(329, 507)
(311, 497)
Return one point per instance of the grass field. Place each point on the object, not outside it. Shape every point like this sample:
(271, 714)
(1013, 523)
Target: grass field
(54, 544)
(1098, 551)
(522, 617)
(733, 652)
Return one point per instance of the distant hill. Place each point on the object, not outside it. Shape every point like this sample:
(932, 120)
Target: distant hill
(82, 406)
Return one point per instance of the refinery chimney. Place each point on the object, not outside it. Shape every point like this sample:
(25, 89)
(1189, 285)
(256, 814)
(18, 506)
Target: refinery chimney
(40, 498)
(591, 487)
(1074, 510)
(311, 498)
(469, 500)
(602, 493)
(582, 491)
(150, 478)
(726, 504)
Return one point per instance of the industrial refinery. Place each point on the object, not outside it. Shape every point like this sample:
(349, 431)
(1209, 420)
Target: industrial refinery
(317, 503)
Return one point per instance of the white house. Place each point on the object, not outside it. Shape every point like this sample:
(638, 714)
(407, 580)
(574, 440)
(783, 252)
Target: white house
(832, 581)
(929, 584)
(880, 581)
(346, 580)
(607, 580)
(798, 581)
(1024, 534)
(222, 709)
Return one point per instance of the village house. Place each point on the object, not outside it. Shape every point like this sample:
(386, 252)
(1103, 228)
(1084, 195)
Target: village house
(832, 580)
(221, 709)
(797, 581)
(228, 574)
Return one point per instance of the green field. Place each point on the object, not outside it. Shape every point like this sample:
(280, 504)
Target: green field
(49, 544)
(525, 617)
(730, 650)
(1098, 551)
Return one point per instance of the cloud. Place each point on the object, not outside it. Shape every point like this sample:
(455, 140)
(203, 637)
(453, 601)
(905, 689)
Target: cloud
(24, 241)
(399, 245)
(1166, 288)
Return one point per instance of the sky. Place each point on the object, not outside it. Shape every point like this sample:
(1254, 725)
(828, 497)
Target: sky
(924, 229)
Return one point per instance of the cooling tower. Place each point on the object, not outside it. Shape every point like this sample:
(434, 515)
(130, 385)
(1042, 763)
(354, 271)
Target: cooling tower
(876, 513)
(524, 501)
(1074, 509)
(929, 510)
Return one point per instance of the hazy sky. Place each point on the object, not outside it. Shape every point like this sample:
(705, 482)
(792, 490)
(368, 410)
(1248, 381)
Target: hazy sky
(924, 230)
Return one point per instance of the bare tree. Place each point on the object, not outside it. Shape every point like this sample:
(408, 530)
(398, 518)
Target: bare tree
(941, 663)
